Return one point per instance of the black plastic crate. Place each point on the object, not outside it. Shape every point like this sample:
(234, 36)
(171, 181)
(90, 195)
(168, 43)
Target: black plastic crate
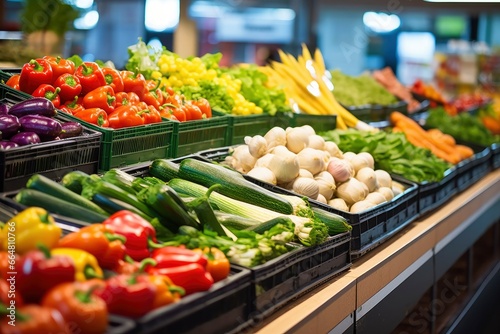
(290, 275)
(471, 170)
(319, 123)
(225, 306)
(369, 228)
(495, 155)
(432, 195)
(377, 113)
(53, 159)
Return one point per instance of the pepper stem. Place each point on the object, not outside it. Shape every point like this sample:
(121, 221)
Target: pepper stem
(44, 249)
(112, 237)
(144, 263)
(85, 296)
(178, 289)
(100, 120)
(44, 218)
(19, 316)
(153, 244)
(128, 259)
(89, 272)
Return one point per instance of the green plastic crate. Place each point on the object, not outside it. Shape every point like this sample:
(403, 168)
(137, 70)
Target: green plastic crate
(251, 125)
(193, 136)
(319, 123)
(128, 146)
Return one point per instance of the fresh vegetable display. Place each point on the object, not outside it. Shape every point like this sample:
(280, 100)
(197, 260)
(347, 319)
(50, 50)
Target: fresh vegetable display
(300, 160)
(463, 126)
(392, 152)
(387, 78)
(308, 87)
(31, 122)
(441, 145)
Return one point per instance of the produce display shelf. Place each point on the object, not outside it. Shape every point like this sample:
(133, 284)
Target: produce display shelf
(192, 136)
(52, 159)
(473, 169)
(369, 228)
(249, 125)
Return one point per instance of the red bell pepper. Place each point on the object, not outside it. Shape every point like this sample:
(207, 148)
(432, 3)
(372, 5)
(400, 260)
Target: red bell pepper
(113, 78)
(90, 76)
(126, 116)
(139, 233)
(102, 97)
(192, 111)
(6, 260)
(153, 95)
(35, 73)
(70, 86)
(13, 81)
(95, 116)
(133, 82)
(141, 291)
(60, 65)
(49, 92)
(72, 107)
(124, 98)
(172, 256)
(192, 277)
(38, 271)
(204, 106)
(100, 241)
(35, 319)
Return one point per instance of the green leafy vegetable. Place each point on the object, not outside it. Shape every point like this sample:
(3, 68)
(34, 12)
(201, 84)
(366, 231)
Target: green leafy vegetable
(392, 152)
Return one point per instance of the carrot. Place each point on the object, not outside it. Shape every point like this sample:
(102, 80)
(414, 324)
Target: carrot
(439, 135)
(416, 139)
(464, 151)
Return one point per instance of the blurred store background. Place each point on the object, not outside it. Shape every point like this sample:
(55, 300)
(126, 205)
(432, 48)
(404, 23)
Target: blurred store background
(450, 42)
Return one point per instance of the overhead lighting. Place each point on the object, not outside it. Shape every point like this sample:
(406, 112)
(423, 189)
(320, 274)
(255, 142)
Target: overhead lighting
(464, 1)
(381, 22)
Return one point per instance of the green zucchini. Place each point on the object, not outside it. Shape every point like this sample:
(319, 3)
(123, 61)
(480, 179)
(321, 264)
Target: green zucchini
(235, 221)
(267, 225)
(164, 169)
(336, 224)
(73, 180)
(113, 205)
(233, 185)
(120, 179)
(56, 205)
(44, 184)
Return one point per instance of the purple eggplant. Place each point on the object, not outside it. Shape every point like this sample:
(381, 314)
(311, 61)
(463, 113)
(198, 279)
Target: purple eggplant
(42, 125)
(71, 129)
(9, 125)
(25, 138)
(6, 145)
(4, 108)
(33, 106)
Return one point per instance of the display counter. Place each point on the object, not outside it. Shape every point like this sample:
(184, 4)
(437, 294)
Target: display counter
(414, 279)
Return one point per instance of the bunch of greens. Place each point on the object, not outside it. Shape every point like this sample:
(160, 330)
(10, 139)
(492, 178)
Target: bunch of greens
(249, 249)
(392, 152)
(255, 89)
(142, 58)
(359, 91)
(464, 126)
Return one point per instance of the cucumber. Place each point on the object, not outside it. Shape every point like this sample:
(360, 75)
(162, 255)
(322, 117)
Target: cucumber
(113, 205)
(73, 180)
(164, 169)
(32, 197)
(237, 222)
(233, 185)
(336, 224)
(121, 179)
(44, 184)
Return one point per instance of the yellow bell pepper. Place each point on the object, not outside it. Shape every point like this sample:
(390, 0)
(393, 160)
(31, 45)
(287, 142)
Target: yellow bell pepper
(86, 264)
(28, 228)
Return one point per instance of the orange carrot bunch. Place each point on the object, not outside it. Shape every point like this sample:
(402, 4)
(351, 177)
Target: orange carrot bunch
(440, 144)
